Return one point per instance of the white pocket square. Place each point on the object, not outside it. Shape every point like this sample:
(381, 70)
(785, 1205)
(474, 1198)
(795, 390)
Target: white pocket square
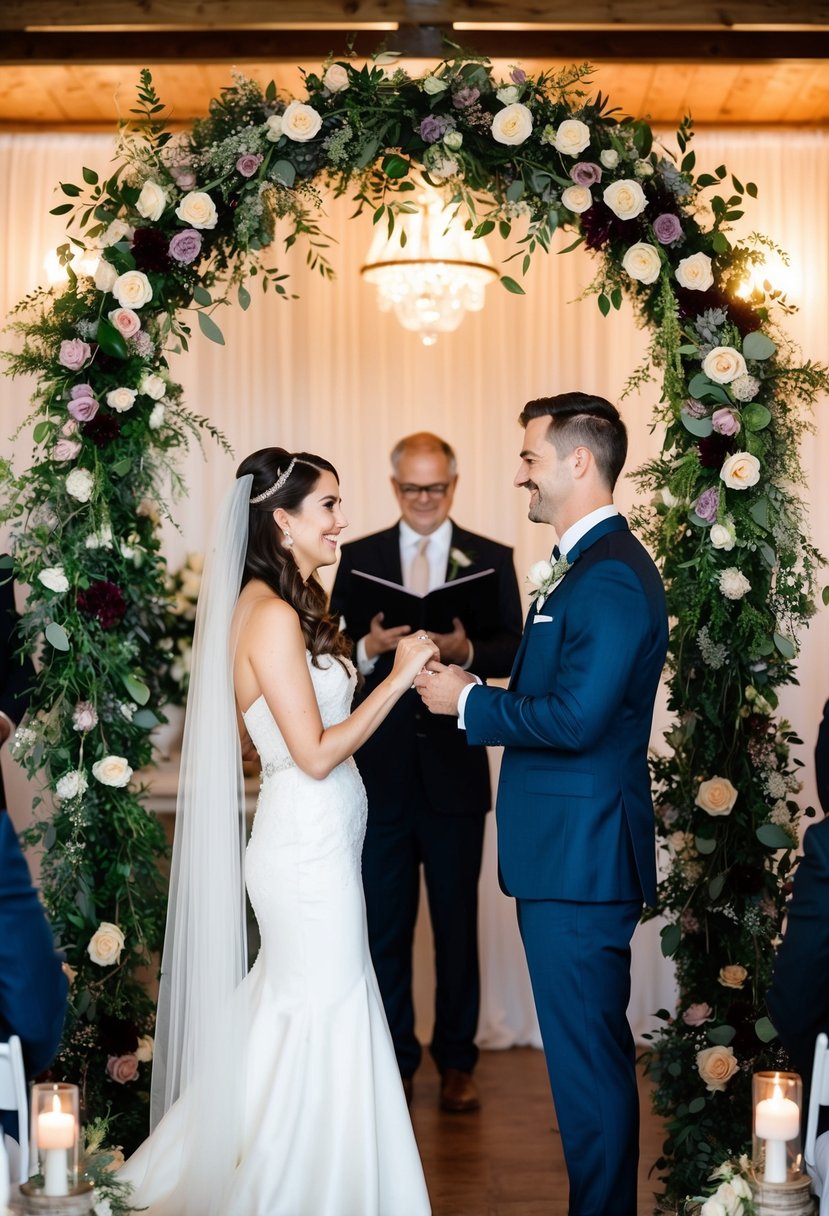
(539, 619)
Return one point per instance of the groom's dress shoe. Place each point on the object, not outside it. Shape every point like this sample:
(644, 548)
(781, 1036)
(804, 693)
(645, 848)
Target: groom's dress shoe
(458, 1091)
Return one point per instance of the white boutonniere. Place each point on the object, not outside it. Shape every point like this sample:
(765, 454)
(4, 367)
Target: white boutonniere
(543, 576)
(458, 560)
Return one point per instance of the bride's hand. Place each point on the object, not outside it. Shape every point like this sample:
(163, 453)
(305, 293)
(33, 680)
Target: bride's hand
(412, 654)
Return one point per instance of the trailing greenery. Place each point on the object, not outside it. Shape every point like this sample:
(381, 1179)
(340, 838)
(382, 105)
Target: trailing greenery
(181, 228)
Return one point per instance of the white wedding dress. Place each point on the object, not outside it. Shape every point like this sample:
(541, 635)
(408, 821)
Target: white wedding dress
(325, 1129)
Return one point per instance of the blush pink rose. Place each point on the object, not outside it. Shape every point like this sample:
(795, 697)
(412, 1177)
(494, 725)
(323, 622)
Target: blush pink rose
(66, 449)
(249, 163)
(83, 406)
(123, 1068)
(696, 1015)
(125, 321)
(725, 422)
(74, 353)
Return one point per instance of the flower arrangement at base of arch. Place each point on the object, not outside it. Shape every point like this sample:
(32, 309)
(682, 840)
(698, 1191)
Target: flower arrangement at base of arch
(181, 227)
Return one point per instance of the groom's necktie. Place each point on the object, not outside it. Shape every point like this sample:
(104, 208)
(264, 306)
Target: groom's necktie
(419, 569)
(556, 553)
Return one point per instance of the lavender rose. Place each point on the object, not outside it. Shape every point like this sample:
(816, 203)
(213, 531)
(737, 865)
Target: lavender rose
(726, 422)
(432, 129)
(185, 246)
(464, 98)
(667, 228)
(74, 353)
(585, 173)
(249, 163)
(83, 406)
(707, 504)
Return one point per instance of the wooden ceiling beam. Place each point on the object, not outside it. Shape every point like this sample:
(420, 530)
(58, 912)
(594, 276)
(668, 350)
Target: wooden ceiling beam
(224, 14)
(423, 42)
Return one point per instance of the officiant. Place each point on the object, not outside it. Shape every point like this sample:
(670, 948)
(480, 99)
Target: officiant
(428, 792)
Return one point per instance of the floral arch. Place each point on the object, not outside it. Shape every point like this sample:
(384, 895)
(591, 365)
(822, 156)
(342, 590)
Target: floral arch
(186, 222)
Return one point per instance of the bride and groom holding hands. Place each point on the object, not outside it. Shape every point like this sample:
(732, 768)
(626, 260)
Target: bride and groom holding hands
(304, 1061)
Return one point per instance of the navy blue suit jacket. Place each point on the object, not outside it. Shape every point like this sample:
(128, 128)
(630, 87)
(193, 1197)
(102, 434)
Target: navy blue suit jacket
(574, 808)
(411, 742)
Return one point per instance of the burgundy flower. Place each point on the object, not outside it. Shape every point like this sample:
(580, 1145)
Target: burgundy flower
(599, 225)
(713, 450)
(118, 1036)
(102, 429)
(104, 601)
(149, 248)
(694, 303)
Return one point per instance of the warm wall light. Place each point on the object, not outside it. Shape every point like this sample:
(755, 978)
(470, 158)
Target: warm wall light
(431, 270)
(83, 263)
(774, 274)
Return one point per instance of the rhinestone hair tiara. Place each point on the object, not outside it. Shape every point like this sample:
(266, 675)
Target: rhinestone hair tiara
(277, 485)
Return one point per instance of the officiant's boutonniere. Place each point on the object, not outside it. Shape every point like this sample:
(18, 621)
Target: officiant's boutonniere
(458, 560)
(543, 576)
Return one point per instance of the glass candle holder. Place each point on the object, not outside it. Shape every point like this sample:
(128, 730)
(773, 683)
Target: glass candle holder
(55, 1137)
(777, 1102)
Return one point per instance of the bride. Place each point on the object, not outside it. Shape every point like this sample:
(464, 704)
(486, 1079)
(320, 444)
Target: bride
(278, 1093)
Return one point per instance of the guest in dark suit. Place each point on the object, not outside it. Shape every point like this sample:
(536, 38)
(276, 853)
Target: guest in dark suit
(32, 984)
(575, 819)
(798, 1000)
(427, 792)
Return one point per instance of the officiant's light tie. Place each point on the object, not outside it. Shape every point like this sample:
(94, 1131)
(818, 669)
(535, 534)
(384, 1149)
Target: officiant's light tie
(419, 569)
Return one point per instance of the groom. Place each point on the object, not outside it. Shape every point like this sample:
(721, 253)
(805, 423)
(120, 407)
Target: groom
(575, 819)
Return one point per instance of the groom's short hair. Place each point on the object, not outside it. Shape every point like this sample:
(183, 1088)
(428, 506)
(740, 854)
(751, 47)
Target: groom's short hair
(581, 419)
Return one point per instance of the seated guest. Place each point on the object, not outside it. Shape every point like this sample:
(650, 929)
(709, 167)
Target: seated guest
(32, 984)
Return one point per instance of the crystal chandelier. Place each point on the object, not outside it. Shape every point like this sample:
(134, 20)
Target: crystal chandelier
(430, 270)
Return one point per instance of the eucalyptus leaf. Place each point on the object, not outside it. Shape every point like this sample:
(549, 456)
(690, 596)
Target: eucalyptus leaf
(697, 426)
(755, 416)
(285, 173)
(721, 1036)
(210, 329)
(57, 636)
(202, 296)
(759, 512)
(715, 886)
(769, 556)
(700, 387)
(145, 719)
(696, 1105)
(670, 938)
(773, 836)
(137, 689)
(244, 297)
(785, 645)
(757, 346)
(705, 844)
(515, 191)
(764, 1029)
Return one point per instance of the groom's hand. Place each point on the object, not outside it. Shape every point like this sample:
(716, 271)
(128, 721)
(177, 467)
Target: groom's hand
(441, 686)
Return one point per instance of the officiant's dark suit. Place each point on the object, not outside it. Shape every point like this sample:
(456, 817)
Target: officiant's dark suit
(427, 791)
(576, 843)
(32, 984)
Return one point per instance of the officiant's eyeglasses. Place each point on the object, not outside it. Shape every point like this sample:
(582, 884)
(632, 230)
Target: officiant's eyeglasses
(437, 490)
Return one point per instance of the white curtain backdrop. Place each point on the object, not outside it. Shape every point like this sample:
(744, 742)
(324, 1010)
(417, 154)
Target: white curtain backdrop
(327, 372)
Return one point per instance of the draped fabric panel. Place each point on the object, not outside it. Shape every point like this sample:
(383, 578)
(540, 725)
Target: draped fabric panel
(327, 372)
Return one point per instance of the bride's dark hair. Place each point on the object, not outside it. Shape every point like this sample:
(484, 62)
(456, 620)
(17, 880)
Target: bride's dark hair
(267, 558)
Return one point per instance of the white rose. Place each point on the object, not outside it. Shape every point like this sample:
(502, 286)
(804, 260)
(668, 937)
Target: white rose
(539, 573)
(440, 166)
(609, 158)
(512, 125)
(716, 796)
(79, 484)
(151, 201)
(105, 275)
(121, 399)
(198, 210)
(132, 289)
(433, 85)
(453, 140)
(643, 168)
(695, 272)
(112, 770)
(669, 500)
(642, 262)
(102, 1207)
(734, 584)
(336, 78)
(300, 122)
(106, 944)
(625, 198)
(723, 364)
(507, 95)
(716, 1066)
(156, 418)
(740, 471)
(572, 137)
(740, 1188)
(101, 539)
(145, 1048)
(712, 1207)
(152, 386)
(728, 1197)
(273, 128)
(115, 232)
(71, 785)
(577, 199)
(722, 537)
(54, 578)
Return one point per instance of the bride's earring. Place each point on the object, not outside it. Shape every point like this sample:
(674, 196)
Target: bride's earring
(289, 540)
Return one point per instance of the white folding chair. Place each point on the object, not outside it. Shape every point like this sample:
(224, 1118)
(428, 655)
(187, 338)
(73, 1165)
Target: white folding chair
(13, 1097)
(819, 1096)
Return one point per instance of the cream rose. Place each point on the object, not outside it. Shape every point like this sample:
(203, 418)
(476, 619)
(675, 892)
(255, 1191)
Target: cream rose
(572, 137)
(716, 1066)
(722, 537)
(71, 785)
(733, 976)
(577, 199)
(433, 86)
(152, 386)
(132, 289)
(642, 262)
(112, 770)
(115, 232)
(336, 78)
(724, 364)
(300, 122)
(106, 944)
(716, 796)
(157, 415)
(740, 471)
(734, 584)
(712, 1207)
(145, 1048)
(512, 125)
(105, 275)
(198, 210)
(625, 198)
(273, 128)
(151, 201)
(609, 158)
(538, 573)
(695, 272)
(698, 1015)
(121, 399)
(54, 577)
(79, 484)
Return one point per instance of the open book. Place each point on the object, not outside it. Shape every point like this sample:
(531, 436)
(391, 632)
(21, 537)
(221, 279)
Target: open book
(473, 599)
